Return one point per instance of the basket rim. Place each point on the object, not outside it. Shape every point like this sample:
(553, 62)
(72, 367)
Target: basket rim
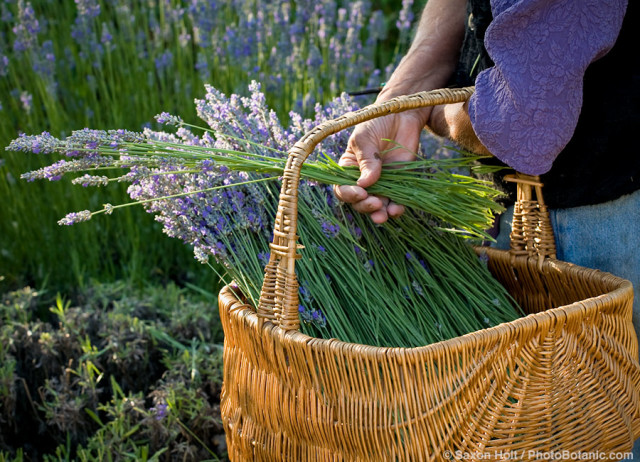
(530, 323)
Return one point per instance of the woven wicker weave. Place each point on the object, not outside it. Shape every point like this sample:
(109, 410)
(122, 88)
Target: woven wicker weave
(563, 378)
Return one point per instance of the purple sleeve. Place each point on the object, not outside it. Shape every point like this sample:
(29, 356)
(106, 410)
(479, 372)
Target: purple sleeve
(525, 108)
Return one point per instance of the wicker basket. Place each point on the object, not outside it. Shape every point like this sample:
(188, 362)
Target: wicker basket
(563, 380)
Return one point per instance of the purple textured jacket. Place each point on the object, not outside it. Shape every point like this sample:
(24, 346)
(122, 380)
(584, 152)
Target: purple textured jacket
(526, 107)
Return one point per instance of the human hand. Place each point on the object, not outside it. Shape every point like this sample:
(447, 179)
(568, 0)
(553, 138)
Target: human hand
(428, 64)
(369, 149)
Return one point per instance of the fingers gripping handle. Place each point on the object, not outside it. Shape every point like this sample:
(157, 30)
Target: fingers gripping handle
(279, 297)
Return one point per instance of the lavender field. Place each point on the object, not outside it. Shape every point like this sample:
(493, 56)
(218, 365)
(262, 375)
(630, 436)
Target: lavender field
(109, 336)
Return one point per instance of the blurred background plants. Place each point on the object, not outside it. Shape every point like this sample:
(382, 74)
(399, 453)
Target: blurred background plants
(124, 370)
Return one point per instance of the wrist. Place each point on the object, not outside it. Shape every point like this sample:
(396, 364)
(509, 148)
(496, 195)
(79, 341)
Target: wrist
(408, 85)
(409, 78)
(452, 121)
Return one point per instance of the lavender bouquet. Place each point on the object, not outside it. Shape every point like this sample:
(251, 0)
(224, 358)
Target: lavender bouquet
(407, 283)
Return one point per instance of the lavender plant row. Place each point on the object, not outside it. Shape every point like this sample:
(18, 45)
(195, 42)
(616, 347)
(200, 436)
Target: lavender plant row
(213, 191)
(173, 47)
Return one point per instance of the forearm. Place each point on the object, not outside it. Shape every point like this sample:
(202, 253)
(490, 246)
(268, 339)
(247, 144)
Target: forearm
(434, 52)
(452, 121)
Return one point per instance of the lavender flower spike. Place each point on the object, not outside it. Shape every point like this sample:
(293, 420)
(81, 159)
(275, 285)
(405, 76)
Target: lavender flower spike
(4, 65)
(167, 119)
(91, 180)
(37, 144)
(160, 411)
(75, 217)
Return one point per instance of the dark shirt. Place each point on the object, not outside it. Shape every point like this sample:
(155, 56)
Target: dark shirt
(600, 162)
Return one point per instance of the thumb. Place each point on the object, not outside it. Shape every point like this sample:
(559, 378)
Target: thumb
(370, 169)
(365, 149)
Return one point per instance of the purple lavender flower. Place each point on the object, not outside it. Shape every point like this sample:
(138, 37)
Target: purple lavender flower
(375, 79)
(167, 119)
(315, 59)
(312, 316)
(306, 315)
(202, 66)
(417, 287)
(184, 39)
(26, 29)
(484, 259)
(160, 411)
(377, 28)
(164, 61)
(4, 65)
(203, 16)
(305, 294)
(75, 217)
(26, 99)
(405, 18)
(47, 48)
(264, 257)
(83, 31)
(174, 14)
(44, 62)
(38, 144)
(5, 15)
(88, 8)
(57, 170)
(209, 222)
(369, 265)
(91, 180)
(318, 318)
(88, 139)
(331, 230)
(105, 37)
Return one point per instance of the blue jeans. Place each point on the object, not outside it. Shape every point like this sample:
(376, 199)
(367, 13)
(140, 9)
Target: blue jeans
(604, 236)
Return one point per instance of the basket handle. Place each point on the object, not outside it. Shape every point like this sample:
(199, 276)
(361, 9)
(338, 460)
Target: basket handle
(279, 296)
(531, 231)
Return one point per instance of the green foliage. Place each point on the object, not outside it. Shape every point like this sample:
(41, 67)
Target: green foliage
(116, 374)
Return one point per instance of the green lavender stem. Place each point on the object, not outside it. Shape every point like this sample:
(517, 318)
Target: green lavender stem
(461, 202)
